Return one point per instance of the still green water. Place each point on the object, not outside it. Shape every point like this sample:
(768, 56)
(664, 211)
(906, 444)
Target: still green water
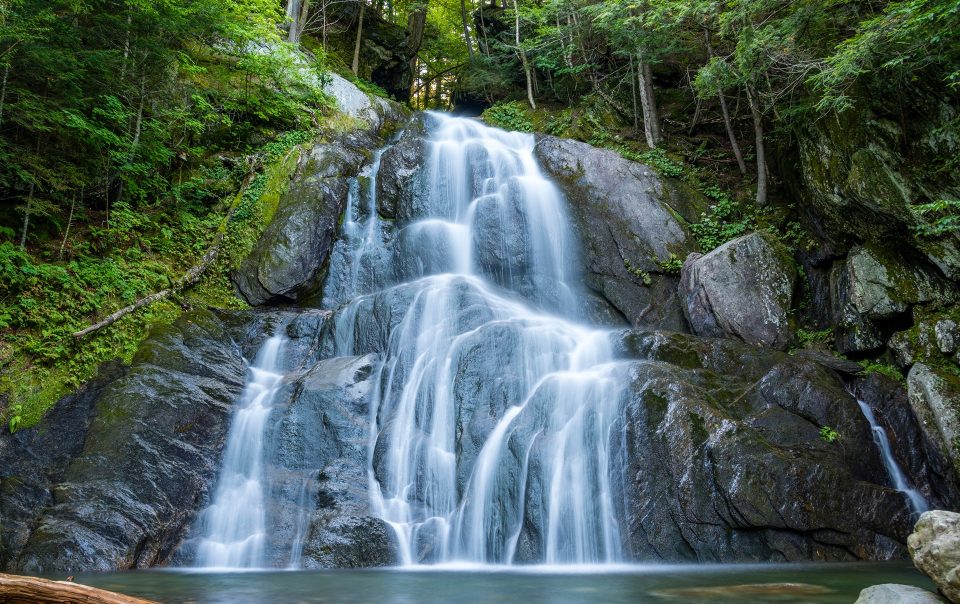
(822, 583)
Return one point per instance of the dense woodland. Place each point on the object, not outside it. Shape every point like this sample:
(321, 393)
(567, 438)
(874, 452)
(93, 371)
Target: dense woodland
(136, 135)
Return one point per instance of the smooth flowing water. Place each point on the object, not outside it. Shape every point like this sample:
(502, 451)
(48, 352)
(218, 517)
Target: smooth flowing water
(491, 430)
(234, 528)
(918, 504)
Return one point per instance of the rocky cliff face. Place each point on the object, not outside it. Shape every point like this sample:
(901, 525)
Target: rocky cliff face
(720, 429)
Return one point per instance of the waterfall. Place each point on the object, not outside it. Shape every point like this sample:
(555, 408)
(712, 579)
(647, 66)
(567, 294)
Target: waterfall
(918, 504)
(234, 524)
(491, 429)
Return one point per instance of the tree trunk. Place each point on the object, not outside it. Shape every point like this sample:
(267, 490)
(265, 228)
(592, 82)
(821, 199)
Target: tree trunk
(466, 29)
(523, 56)
(126, 46)
(3, 91)
(14, 588)
(646, 106)
(416, 22)
(66, 233)
(760, 150)
(726, 115)
(654, 114)
(633, 94)
(298, 11)
(293, 14)
(26, 217)
(356, 46)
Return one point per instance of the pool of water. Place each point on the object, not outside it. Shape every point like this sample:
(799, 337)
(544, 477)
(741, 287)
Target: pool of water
(812, 583)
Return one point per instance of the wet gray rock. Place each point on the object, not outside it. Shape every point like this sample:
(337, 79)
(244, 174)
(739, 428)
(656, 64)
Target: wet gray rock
(149, 457)
(743, 289)
(401, 166)
(918, 451)
(935, 549)
(288, 263)
(935, 399)
(892, 593)
(729, 465)
(322, 438)
(628, 220)
(32, 460)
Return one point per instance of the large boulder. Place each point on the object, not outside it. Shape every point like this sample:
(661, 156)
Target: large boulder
(289, 261)
(743, 289)
(726, 462)
(935, 549)
(374, 111)
(148, 458)
(892, 593)
(324, 432)
(854, 183)
(401, 167)
(629, 221)
(871, 288)
(935, 398)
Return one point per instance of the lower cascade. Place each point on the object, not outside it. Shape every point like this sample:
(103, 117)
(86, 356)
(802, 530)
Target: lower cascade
(234, 524)
(918, 504)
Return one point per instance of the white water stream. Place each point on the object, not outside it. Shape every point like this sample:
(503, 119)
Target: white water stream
(918, 504)
(491, 432)
(234, 524)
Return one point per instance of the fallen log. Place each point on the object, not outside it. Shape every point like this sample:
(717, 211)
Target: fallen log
(192, 276)
(16, 589)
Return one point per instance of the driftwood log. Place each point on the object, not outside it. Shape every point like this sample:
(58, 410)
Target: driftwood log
(16, 589)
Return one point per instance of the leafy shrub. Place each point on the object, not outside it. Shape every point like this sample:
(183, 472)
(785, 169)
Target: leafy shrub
(806, 338)
(725, 221)
(870, 366)
(940, 217)
(509, 116)
(672, 265)
(829, 434)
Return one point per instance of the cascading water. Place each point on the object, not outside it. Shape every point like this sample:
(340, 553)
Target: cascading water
(918, 504)
(491, 430)
(234, 528)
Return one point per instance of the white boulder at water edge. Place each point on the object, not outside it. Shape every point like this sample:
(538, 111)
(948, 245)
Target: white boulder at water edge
(463, 348)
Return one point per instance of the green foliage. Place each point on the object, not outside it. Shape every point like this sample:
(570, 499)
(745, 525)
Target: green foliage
(941, 217)
(808, 338)
(672, 265)
(900, 43)
(16, 418)
(644, 276)
(829, 434)
(874, 366)
(657, 158)
(725, 221)
(509, 116)
(43, 302)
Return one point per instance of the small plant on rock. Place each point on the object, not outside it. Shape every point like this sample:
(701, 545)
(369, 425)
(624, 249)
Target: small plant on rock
(829, 434)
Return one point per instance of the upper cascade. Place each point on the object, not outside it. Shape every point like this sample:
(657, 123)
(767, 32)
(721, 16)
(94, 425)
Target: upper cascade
(469, 462)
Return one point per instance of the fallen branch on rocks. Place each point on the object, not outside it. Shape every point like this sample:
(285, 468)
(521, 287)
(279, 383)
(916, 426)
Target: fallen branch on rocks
(32, 590)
